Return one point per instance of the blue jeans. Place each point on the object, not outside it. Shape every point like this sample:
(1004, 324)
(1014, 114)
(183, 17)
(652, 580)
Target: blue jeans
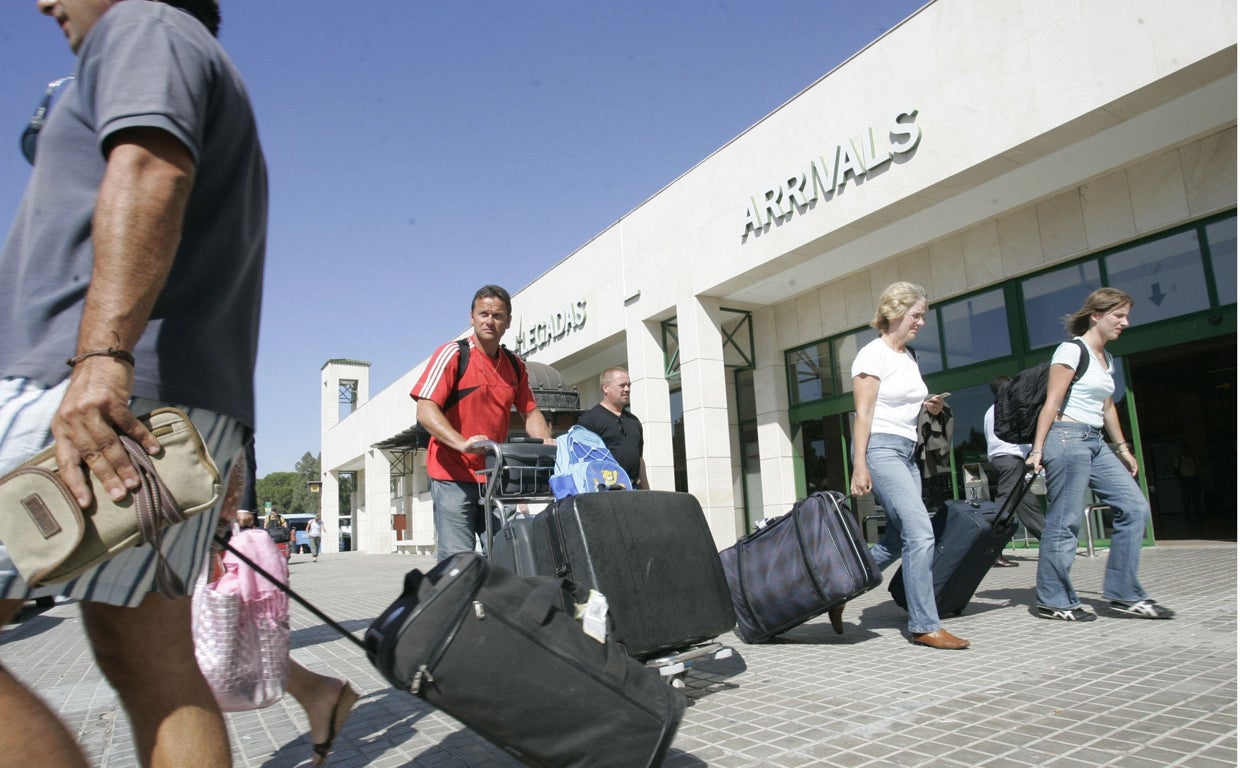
(1076, 460)
(909, 536)
(458, 517)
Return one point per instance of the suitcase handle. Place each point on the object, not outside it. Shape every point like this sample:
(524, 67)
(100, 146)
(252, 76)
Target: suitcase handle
(544, 599)
(1004, 515)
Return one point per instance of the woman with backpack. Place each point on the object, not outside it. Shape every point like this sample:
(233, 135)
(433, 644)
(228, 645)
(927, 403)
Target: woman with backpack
(889, 395)
(1070, 444)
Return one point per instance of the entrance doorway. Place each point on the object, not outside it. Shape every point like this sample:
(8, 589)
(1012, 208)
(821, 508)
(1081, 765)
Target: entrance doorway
(1186, 407)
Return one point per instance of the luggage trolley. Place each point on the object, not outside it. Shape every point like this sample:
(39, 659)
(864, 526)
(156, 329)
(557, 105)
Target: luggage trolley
(516, 485)
(515, 488)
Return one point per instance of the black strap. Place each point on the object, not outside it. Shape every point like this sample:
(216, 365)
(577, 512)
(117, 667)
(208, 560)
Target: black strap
(1081, 366)
(286, 589)
(463, 362)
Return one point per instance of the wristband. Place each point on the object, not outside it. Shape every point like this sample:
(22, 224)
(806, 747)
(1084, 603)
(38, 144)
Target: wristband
(112, 352)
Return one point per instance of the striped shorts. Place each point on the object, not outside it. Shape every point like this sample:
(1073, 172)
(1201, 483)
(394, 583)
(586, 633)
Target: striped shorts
(26, 411)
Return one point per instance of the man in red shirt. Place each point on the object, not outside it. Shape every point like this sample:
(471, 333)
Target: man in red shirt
(460, 408)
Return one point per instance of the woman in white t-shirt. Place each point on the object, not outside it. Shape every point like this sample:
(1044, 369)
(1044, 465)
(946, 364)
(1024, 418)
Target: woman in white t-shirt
(889, 395)
(1069, 444)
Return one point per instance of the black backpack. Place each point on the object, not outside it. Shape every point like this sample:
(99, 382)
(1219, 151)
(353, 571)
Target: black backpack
(1019, 401)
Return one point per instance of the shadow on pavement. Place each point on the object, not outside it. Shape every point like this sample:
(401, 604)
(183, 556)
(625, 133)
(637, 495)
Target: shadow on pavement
(304, 638)
(371, 708)
(30, 622)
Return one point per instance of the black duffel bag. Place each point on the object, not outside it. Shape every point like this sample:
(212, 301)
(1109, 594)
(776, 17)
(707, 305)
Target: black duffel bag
(499, 654)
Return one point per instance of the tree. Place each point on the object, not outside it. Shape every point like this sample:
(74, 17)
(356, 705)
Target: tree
(289, 492)
(308, 471)
(277, 488)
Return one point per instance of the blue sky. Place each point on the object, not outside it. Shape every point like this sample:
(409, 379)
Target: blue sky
(419, 149)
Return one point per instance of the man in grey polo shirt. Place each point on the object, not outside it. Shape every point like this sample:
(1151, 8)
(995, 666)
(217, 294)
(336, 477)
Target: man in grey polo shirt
(136, 256)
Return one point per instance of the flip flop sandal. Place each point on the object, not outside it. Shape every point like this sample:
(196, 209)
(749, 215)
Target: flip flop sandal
(340, 713)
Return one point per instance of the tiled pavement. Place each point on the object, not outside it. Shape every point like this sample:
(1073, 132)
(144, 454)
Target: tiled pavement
(1119, 692)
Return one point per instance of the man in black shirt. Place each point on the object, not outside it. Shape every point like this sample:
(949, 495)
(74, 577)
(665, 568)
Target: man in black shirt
(620, 429)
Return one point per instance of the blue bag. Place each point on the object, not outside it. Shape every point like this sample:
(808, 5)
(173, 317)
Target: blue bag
(584, 465)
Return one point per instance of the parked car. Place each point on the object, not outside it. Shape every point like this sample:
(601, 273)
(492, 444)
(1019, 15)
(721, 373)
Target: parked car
(300, 543)
(346, 533)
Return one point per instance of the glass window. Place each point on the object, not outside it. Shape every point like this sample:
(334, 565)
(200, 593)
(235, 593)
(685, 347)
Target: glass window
(1222, 238)
(824, 447)
(753, 475)
(846, 349)
(810, 369)
(1050, 296)
(927, 344)
(1165, 277)
(975, 329)
(746, 406)
(679, 462)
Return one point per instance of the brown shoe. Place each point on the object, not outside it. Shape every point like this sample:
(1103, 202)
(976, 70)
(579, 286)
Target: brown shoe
(941, 638)
(836, 615)
(1003, 562)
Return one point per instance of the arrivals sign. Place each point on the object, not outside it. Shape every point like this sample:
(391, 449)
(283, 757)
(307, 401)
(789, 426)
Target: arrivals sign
(556, 326)
(827, 174)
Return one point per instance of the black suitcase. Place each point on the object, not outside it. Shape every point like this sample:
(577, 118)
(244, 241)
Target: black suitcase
(515, 486)
(798, 566)
(969, 536)
(651, 554)
(520, 548)
(497, 653)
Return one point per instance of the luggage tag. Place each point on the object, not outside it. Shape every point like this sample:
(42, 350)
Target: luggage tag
(594, 617)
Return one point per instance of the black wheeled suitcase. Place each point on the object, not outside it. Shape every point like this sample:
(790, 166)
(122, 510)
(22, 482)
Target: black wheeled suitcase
(497, 653)
(797, 566)
(520, 548)
(651, 554)
(969, 536)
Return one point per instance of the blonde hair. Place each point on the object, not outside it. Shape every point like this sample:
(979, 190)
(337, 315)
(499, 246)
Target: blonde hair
(896, 301)
(1099, 302)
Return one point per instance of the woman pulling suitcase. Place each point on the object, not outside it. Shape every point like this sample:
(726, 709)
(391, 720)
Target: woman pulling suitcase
(889, 395)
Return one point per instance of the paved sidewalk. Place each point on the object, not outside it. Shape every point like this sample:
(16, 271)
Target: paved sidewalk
(1114, 692)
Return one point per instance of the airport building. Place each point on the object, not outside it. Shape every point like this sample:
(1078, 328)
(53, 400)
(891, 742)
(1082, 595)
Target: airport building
(1008, 156)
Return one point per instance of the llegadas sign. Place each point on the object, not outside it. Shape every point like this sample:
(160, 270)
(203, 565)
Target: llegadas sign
(557, 324)
(827, 174)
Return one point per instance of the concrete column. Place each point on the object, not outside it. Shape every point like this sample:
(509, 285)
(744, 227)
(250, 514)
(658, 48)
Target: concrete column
(708, 445)
(770, 382)
(651, 400)
(375, 524)
(331, 375)
(329, 506)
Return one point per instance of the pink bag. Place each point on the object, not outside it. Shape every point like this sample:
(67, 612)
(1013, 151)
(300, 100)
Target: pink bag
(241, 626)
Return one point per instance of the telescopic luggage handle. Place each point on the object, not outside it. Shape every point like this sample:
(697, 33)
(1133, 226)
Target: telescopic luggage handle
(1014, 499)
(490, 485)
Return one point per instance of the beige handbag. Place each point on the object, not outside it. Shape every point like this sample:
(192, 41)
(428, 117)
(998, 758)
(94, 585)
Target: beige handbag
(51, 539)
